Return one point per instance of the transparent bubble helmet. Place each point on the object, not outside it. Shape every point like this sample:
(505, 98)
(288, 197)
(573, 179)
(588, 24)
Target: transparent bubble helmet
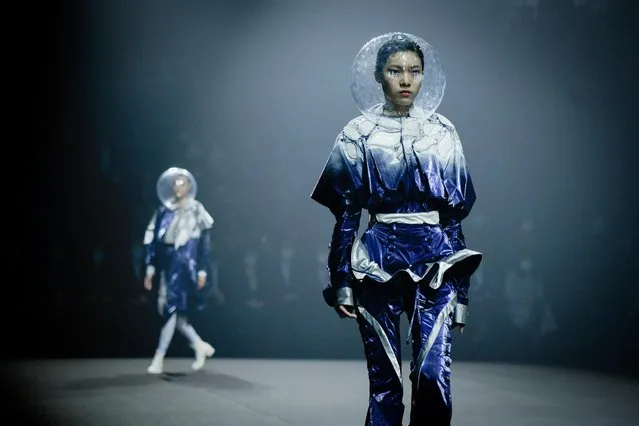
(367, 91)
(173, 181)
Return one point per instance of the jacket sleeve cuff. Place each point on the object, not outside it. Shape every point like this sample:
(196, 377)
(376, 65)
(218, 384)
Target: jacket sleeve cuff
(201, 274)
(345, 296)
(150, 270)
(461, 314)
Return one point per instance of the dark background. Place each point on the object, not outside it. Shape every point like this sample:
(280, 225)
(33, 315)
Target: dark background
(249, 96)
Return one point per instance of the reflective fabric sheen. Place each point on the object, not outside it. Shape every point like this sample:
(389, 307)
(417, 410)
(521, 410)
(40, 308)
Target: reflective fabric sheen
(409, 165)
(176, 269)
(431, 346)
(403, 165)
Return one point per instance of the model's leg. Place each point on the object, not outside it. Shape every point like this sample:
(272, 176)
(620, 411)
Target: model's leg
(379, 313)
(187, 330)
(166, 335)
(430, 372)
(202, 349)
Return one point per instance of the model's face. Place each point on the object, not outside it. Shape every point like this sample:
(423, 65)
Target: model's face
(403, 76)
(180, 187)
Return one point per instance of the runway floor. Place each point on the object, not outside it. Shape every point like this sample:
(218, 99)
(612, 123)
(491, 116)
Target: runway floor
(255, 392)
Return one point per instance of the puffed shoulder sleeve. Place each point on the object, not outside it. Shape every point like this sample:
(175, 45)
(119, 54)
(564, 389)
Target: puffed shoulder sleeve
(204, 219)
(341, 179)
(205, 222)
(460, 192)
(338, 188)
(460, 197)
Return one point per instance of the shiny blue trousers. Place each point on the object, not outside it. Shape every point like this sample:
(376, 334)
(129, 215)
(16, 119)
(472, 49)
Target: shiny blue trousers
(380, 306)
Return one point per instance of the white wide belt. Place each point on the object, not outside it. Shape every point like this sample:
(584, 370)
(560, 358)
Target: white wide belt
(428, 218)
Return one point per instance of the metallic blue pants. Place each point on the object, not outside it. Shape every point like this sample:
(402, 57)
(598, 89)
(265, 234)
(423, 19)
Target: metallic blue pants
(380, 306)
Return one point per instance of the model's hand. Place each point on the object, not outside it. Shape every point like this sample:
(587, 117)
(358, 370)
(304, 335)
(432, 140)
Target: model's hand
(347, 311)
(201, 280)
(148, 282)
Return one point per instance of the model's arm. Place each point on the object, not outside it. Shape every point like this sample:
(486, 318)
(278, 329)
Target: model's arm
(461, 198)
(339, 256)
(205, 222)
(149, 246)
(338, 188)
(204, 254)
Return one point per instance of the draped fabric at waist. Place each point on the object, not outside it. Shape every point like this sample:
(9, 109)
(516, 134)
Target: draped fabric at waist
(411, 242)
(168, 254)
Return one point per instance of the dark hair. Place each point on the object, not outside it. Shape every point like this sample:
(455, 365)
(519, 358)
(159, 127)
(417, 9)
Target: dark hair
(398, 43)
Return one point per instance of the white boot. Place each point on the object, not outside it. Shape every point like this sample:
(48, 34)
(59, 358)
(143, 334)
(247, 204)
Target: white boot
(202, 351)
(157, 365)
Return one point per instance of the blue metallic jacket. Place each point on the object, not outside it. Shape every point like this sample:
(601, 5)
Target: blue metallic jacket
(178, 249)
(411, 175)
